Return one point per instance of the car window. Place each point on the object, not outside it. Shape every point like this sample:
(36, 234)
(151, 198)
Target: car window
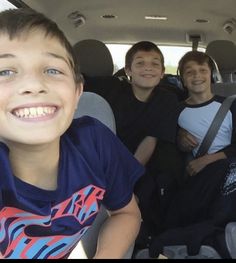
(4, 4)
(172, 55)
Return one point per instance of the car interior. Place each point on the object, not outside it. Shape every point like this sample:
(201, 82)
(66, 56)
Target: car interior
(92, 26)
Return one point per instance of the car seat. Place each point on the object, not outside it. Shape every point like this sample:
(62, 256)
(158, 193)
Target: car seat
(94, 57)
(121, 74)
(94, 105)
(224, 53)
(230, 237)
(205, 251)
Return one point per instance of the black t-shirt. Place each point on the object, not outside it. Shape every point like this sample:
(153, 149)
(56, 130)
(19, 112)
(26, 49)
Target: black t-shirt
(135, 119)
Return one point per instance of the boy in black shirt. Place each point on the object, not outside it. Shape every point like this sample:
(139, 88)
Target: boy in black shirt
(143, 110)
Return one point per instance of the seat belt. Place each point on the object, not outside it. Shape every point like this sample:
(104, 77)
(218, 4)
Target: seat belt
(215, 125)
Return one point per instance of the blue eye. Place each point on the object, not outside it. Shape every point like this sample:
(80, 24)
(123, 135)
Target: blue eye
(6, 72)
(53, 71)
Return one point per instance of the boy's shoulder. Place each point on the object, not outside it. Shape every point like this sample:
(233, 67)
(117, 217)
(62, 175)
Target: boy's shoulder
(86, 128)
(173, 91)
(84, 123)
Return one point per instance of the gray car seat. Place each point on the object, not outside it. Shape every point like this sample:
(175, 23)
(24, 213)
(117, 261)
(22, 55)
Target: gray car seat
(224, 53)
(224, 89)
(230, 236)
(205, 252)
(94, 105)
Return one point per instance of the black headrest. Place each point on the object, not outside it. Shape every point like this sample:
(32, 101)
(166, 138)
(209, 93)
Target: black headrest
(94, 57)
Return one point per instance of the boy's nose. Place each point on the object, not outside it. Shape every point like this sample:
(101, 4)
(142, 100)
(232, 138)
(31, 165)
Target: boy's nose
(195, 74)
(148, 67)
(33, 86)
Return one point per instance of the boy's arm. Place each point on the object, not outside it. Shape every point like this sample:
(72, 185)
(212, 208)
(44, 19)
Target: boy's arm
(145, 149)
(198, 164)
(119, 232)
(185, 140)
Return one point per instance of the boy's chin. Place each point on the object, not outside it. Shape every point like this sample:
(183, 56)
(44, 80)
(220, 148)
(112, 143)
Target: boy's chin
(35, 140)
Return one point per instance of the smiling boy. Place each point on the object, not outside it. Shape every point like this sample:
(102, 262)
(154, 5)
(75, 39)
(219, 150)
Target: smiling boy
(55, 172)
(143, 108)
(203, 206)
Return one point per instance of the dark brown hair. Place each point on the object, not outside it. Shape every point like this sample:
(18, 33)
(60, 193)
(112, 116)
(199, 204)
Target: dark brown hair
(142, 46)
(197, 56)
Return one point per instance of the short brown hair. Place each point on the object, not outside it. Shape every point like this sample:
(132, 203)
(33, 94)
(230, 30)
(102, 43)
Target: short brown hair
(142, 46)
(197, 56)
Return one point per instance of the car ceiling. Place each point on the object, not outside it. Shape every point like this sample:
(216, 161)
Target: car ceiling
(129, 26)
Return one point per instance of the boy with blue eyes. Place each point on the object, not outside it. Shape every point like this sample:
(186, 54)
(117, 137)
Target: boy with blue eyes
(55, 172)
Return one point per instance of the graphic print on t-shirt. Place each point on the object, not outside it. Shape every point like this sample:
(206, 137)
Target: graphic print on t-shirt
(24, 235)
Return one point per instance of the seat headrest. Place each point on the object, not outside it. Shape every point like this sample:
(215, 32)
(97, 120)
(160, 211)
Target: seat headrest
(96, 106)
(94, 57)
(224, 54)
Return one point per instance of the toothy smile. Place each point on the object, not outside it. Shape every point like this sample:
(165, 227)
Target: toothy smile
(198, 82)
(34, 112)
(147, 75)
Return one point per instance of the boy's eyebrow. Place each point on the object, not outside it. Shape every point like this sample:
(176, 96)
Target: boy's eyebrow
(186, 68)
(157, 58)
(7, 55)
(59, 57)
(68, 62)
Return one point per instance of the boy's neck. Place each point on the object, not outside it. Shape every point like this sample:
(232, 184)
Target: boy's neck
(199, 98)
(142, 94)
(37, 166)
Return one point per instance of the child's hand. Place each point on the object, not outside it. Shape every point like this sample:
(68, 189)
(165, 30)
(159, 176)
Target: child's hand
(196, 165)
(186, 141)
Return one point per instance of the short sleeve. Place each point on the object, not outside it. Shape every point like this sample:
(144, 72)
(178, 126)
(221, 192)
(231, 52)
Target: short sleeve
(230, 151)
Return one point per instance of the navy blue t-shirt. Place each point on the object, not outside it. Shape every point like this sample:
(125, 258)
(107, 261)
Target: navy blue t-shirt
(94, 168)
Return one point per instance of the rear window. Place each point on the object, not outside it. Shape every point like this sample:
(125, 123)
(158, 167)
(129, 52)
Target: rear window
(4, 4)
(172, 55)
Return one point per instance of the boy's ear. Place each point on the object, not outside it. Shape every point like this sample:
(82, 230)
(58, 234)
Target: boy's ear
(163, 73)
(78, 93)
(128, 72)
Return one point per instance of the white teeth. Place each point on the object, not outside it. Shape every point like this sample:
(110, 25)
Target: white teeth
(40, 110)
(34, 112)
